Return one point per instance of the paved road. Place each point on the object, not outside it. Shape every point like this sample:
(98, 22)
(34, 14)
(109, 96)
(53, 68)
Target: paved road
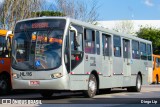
(119, 97)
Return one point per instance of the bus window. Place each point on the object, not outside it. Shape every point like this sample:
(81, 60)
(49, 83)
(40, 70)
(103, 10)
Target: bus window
(97, 43)
(2, 46)
(126, 48)
(4, 52)
(106, 42)
(135, 50)
(89, 41)
(143, 51)
(149, 53)
(117, 46)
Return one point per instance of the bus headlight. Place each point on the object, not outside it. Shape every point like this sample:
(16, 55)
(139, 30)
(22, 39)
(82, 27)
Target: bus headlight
(56, 75)
(14, 75)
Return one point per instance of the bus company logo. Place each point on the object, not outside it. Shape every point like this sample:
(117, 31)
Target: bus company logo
(6, 101)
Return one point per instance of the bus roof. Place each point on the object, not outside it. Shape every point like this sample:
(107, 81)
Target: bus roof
(88, 25)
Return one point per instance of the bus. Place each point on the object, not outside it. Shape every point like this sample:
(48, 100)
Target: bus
(5, 61)
(156, 69)
(51, 54)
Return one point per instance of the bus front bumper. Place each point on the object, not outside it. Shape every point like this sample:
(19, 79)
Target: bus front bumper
(52, 84)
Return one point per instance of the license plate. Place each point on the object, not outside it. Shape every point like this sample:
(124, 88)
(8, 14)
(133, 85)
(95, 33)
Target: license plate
(34, 83)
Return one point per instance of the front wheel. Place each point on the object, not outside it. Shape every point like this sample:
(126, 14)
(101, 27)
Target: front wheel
(92, 87)
(136, 88)
(46, 94)
(4, 85)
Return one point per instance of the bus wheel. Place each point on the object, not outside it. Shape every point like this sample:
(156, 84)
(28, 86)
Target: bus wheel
(157, 80)
(4, 85)
(92, 87)
(136, 88)
(46, 94)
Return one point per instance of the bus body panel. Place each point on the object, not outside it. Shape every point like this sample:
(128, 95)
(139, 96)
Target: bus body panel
(5, 64)
(78, 82)
(5, 60)
(112, 71)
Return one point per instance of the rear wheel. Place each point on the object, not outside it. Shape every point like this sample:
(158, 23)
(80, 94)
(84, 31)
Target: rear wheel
(92, 87)
(4, 85)
(136, 88)
(46, 94)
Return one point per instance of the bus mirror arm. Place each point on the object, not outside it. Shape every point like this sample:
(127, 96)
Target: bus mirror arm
(76, 34)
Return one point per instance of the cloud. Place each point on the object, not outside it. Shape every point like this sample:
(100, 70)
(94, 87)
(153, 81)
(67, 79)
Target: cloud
(149, 3)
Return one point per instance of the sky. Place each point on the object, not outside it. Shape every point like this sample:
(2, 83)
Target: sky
(126, 9)
(129, 9)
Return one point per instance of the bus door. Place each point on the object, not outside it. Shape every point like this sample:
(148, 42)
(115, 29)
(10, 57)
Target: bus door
(117, 59)
(76, 49)
(126, 57)
(106, 55)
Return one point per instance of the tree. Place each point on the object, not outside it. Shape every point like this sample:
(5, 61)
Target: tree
(14, 10)
(125, 26)
(48, 13)
(153, 35)
(78, 9)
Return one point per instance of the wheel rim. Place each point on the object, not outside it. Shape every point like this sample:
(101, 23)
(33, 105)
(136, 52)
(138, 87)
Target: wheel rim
(92, 86)
(3, 85)
(139, 83)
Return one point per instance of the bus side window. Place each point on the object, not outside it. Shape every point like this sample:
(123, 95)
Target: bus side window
(1, 45)
(106, 42)
(143, 51)
(89, 36)
(149, 52)
(135, 50)
(3, 49)
(117, 46)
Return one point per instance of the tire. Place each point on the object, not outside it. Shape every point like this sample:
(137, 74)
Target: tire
(138, 86)
(46, 94)
(5, 86)
(92, 87)
(157, 80)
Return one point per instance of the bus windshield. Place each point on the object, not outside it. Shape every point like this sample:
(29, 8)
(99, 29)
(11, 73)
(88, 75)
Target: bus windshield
(38, 47)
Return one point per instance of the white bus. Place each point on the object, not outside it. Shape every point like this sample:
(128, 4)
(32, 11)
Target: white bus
(64, 54)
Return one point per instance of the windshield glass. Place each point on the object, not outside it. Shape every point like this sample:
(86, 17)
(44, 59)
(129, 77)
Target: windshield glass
(37, 48)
